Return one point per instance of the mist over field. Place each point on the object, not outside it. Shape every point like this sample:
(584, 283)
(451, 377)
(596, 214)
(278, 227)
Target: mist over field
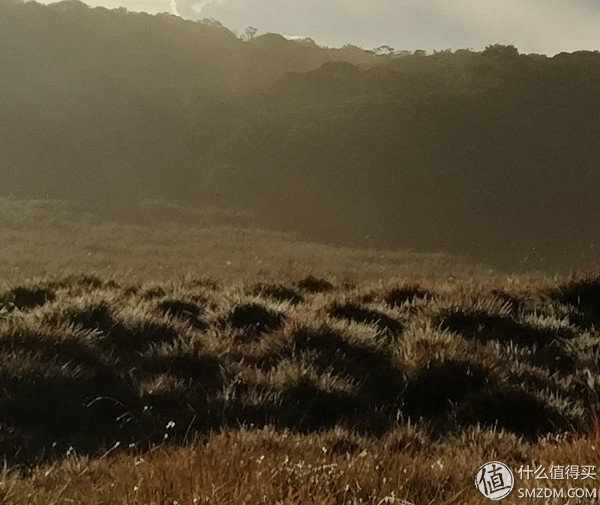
(492, 154)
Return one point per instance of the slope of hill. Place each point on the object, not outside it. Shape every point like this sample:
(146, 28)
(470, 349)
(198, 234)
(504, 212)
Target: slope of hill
(492, 154)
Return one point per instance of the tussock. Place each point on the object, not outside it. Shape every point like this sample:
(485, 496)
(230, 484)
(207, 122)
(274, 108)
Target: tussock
(97, 366)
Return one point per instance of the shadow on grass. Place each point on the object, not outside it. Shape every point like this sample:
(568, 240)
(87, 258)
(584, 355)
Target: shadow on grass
(380, 381)
(398, 296)
(306, 407)
(278, 292)
(455, 394)
(555, 357)
(551, 351)
(183, 310)
(313, 284)
(54, 410)
(255, 320)
(358, 314)
(118, 336)
(23, 298)
(584, 295)
(481, 326)
(112, 384)
(205, 371)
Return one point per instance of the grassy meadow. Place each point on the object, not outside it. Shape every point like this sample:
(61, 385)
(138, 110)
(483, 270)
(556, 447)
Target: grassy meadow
(243, 269)
(178, 356)
(158, 241)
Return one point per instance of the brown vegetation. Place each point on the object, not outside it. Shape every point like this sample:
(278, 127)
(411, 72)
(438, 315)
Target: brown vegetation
(234, 394)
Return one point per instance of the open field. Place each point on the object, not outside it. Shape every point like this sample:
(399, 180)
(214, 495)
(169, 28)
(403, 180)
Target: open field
(171, 378)
(243, 269)
(159, 241)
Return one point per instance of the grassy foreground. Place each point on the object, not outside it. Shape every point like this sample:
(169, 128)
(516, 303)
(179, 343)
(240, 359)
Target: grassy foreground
(198, 359)
(305, 392)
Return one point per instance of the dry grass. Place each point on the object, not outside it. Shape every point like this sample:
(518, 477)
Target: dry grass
(43, 237)
(194, 391)
(337, 466)
(194, 384)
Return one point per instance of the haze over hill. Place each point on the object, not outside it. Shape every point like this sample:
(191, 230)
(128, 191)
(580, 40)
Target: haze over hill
(488, 153)
(541, 26)
(253, 269)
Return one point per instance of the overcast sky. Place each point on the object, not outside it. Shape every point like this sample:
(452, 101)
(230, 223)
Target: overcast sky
(543, 26)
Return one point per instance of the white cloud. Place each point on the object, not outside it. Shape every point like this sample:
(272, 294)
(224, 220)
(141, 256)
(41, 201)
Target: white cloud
(532, 25)
(545, 26)
(189, 9)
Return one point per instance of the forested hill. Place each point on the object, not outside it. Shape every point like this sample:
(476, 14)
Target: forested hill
(95, 101)
(489, 153)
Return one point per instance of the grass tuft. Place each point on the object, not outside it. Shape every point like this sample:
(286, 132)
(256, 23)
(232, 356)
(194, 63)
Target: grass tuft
(23, 298)
(313, 284)
(278, 292)
(255, 318)
(398, 296)
(359, 314)
(483, 326)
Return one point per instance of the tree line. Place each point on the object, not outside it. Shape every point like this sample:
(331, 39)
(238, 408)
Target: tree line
(491, 153)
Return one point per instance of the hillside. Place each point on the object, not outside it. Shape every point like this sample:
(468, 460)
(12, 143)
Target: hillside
(252, 270)
(491, 154)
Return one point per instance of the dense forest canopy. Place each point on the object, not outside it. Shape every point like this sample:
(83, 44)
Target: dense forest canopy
(488, 153)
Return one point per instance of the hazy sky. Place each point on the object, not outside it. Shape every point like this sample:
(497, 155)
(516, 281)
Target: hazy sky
(544, 26)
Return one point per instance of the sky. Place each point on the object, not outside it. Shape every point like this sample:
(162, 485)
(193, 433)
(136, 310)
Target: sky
(533, 26)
